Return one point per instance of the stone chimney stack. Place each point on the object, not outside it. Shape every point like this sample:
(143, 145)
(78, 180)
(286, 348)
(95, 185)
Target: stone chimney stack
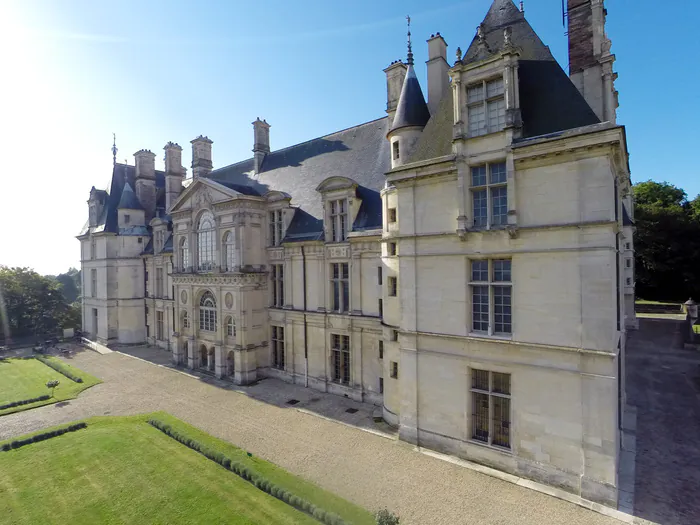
(590, 60)
(395, 74)
(261, 143)
(174, 173)
(201, 156)
(146, 181)
(438, 80)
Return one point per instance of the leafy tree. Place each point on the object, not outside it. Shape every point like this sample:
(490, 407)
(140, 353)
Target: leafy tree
(667, 242)
(384, 517)
(70, 284)
(52, 385)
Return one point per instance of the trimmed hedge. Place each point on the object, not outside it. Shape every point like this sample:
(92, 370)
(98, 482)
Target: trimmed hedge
(58, 367)
(24, 402)
(41, 437)
(328, 518)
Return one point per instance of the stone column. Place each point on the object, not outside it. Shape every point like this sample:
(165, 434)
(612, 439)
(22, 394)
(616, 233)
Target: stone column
(191, 349)
(219, 359)
(176, 350)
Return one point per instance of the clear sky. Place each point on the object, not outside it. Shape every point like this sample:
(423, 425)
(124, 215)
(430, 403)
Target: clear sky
(153, 71)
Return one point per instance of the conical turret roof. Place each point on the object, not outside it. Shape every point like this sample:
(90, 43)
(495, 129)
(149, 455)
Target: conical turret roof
(129, 201)
(411, 109)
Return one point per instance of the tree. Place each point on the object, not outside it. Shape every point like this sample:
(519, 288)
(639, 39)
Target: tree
(384, 517)
(667, 242)
(52, 385)
(70, 284)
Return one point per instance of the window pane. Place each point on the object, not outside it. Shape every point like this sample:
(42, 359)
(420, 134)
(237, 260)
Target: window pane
(501, 270)
(495, 87)
(479, 176)
(336, 295)
(477, 120)
(475, 93)
(480, 308)
(499, 206)
(346, 296)
(502, 309)
(480, 417)
(501, 421)
(498, 172)
(336, 271)
(501, 383)
(345, 270)
(480, 379)
(497, 115)
(480, 270)
(480, 208)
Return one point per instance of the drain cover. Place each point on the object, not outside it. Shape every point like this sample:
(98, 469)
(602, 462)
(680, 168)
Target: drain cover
(351, 410)
(292, 401)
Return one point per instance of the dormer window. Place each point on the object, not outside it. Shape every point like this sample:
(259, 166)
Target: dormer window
(276, 227)
(339, 220)
(486, 107)
(127, 218)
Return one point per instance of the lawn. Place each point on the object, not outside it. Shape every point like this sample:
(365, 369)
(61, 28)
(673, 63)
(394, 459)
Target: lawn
(122, 470)
(26, 379)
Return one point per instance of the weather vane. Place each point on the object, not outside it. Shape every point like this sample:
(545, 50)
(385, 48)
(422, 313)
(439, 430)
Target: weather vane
(410, 51)
(114, 148)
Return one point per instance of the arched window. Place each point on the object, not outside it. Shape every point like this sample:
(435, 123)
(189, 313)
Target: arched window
(207, 313)
(230, 327)
(206, 241)
(185, 320)
(184, 254)
(230, 251)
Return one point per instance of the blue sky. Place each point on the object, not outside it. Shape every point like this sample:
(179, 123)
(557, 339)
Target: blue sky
(154, 71)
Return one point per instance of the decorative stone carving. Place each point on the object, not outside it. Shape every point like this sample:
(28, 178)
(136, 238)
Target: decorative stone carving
(183, 297)
(203, 198)
(228, 300)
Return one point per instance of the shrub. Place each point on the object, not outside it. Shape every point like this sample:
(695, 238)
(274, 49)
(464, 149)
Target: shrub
(25, 402)
(41, 437)
(60, 368)
(384, 517)
(319, 514)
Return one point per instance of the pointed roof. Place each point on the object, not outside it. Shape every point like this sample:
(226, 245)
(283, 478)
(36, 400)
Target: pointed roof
(129, 201)
(411, 109)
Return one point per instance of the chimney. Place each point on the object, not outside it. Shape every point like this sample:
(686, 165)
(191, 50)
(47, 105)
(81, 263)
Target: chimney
(146, 181)
(174, 173)
(438, 81)
(395, 74)
(201, 156)
(590, 60)
(261, 143)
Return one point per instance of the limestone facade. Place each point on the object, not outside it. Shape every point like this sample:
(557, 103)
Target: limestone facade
(464, 263)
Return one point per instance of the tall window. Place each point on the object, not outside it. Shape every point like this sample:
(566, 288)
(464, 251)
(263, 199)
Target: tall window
(395, 150)
(93, 282)
(206, 241)
(489, 195)
(278, 347)
(340, 283)
(159, 325)
(491, 407)
(486, 107)
(159, 239)
(339, 220)
(276, 224)
(393, 286)
(230, 251)
(184, 254)
(93, 248)
(207, 312)
(230, 327)
(491, 288)
(340, 355)
(278, 285)
(159, 282)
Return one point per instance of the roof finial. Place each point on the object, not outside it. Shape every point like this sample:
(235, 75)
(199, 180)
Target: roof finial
(410, 51)
(114, 148)
(522, 7)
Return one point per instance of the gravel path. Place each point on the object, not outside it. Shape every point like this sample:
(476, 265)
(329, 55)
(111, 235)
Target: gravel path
(367, 469)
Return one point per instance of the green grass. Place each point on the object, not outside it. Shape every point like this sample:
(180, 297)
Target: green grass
(122, 470)
(26, 379)
(664, 303)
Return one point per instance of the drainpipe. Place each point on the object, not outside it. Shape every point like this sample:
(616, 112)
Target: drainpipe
(306, 346)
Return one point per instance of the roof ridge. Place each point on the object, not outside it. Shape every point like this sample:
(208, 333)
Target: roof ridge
(298, 144)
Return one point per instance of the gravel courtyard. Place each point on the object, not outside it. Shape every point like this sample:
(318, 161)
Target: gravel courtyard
(370, 470)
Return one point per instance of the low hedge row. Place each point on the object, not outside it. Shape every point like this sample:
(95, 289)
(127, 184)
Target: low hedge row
(58, 367)
(251, 476)
(24, 402)
(41, 437)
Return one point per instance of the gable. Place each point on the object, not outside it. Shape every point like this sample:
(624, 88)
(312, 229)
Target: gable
(202, 193)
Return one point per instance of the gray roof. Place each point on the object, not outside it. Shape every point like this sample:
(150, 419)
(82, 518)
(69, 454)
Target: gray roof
(129, 201)
(411, 109)
(436, 139)
(360, 153)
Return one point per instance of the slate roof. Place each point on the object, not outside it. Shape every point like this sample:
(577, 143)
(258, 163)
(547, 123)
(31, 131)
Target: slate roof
(360, 153)
(626, 220)
(436, 139)
(411, 109)
(129, 201)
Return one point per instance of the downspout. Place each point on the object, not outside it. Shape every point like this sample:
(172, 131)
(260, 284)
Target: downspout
(306, 346)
